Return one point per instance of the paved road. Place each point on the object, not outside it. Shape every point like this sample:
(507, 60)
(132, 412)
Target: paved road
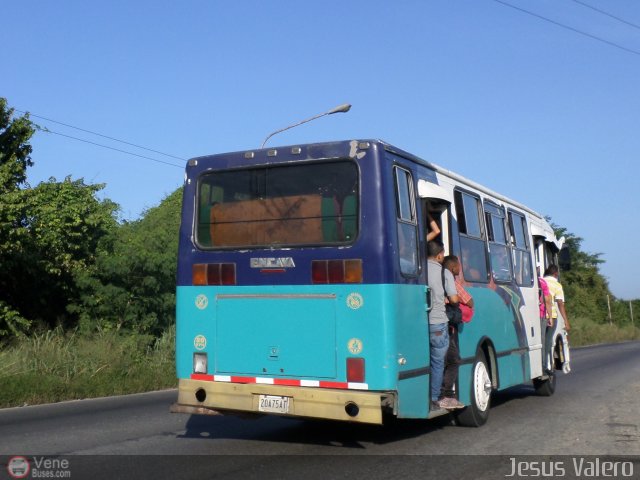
(595, 411)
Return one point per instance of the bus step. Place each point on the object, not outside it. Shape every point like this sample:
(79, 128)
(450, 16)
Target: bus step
(179, 408)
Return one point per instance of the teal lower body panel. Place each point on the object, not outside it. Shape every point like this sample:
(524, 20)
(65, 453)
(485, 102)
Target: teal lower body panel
(308, 333)
(513, 369)
(413, 397)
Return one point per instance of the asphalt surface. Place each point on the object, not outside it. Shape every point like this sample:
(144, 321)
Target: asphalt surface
(595, 411)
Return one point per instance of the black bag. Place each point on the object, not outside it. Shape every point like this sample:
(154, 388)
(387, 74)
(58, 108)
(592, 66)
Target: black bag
(454, 314)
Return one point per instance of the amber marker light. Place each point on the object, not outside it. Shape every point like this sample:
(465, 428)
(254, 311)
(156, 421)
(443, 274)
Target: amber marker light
(353, 271)
(199, 274)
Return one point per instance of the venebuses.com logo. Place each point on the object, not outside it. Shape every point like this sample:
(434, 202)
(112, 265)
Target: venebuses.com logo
(19, 466)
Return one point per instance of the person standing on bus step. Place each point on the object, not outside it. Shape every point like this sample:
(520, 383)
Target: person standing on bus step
(438, 321)
(452, 360)
(557, 303)
(544, 301)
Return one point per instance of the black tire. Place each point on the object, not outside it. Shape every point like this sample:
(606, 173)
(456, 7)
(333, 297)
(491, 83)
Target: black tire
(546, 387)
(476, 414)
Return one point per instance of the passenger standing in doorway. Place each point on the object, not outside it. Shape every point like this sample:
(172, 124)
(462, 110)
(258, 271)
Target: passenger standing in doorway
(438, 321)
(546, 321)
(557, 303)
(452, 359)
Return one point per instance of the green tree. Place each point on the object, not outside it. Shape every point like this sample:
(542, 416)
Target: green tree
(585, 287)
(132, 283)
(15, 157)
(15, 150)
(65, 222)
(47, 234)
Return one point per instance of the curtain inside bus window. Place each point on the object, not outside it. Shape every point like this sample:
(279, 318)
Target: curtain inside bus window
(303, 204)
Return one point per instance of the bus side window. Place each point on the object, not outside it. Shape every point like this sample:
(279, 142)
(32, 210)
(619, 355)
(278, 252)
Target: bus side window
(498, 247)
(472, 245)
(407, 222)
(521, 254)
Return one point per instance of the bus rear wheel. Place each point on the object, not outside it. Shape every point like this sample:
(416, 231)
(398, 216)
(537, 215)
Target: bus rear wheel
(476, 414)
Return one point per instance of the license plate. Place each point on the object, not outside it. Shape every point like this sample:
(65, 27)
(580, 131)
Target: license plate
(273, 404)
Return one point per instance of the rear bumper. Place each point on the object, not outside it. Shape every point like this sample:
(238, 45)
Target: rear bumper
(223, 397)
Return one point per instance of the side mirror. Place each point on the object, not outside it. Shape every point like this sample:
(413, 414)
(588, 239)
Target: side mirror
(564, 259)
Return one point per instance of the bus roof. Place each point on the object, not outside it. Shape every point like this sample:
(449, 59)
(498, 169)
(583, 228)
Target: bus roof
(350, 146)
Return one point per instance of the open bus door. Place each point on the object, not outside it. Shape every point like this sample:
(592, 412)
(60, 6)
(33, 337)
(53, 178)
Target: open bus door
(436, 203)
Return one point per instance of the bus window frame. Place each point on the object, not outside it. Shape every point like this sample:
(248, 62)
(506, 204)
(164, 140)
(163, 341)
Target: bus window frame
(196, 206)
(413, 222)
(501, 208)
(514, 247)
(483, 230)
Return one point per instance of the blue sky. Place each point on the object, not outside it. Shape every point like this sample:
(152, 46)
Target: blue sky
(539, 113)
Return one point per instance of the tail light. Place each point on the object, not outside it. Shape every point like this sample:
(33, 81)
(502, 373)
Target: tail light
(355, 370)
(199, 274)
(336, 271)
(214, 274)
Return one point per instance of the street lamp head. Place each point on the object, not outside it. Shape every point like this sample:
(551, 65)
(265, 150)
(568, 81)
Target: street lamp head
(344, 108)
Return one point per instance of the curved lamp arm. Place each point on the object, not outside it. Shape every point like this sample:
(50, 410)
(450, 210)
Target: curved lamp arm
(345, 107)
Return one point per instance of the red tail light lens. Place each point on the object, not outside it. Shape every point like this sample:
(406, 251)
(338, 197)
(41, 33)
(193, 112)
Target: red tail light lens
(228, 274)
(336, 271)
(319, 272)
(214, 274)
(355, 370)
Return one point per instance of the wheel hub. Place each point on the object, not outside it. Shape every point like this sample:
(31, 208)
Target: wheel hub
(482, 386)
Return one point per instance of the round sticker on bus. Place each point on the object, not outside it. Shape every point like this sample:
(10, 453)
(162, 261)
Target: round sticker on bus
(200, 342)
(202, 301)
(354, 345)
(355, 301)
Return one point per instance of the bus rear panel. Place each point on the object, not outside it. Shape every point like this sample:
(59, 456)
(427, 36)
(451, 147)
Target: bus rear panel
(282, 305)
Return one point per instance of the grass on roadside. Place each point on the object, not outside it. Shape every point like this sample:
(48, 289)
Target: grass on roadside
(55, 366)
(587, 332)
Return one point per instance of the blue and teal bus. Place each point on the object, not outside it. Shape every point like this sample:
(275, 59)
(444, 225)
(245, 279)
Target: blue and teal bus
(302, 286)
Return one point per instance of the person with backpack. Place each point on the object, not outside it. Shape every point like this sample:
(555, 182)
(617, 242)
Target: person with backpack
(546, 321)
(441, 285)
(457, 313)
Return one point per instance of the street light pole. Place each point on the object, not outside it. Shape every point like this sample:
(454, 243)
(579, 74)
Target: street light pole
(344, 108)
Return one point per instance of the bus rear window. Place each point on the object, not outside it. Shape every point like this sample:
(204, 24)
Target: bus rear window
(303, 204)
